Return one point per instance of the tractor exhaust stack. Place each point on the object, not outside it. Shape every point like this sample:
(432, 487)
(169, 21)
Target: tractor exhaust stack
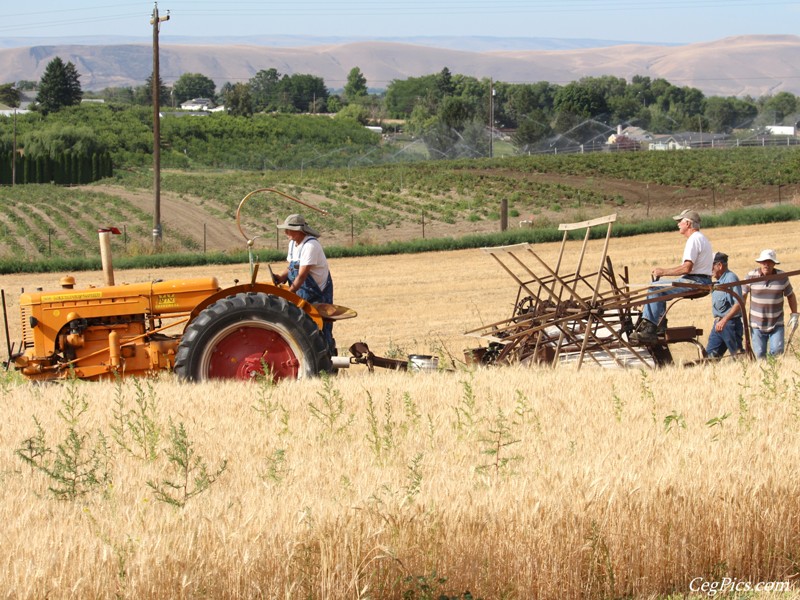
(105, 253)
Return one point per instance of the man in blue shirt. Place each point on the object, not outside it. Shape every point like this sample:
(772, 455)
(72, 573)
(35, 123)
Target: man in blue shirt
(726, 335)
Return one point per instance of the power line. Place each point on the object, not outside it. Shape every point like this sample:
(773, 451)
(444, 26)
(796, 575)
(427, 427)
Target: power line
(38, 26)
(445, 7)
(367, 8)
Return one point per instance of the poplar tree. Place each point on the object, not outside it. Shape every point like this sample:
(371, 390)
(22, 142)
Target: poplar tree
(356, 86)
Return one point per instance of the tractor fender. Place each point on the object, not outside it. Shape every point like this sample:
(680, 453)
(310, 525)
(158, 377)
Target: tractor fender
(264, 288)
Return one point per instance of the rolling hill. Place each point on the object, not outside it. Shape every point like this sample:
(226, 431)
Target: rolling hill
(735, 66)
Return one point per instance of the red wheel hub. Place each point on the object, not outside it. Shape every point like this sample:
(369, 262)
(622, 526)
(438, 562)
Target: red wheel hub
(245, 352)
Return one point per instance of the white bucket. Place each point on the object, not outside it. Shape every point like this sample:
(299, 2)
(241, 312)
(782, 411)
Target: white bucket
(422, 362)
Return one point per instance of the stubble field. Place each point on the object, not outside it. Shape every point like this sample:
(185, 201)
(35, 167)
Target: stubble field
(507, 483)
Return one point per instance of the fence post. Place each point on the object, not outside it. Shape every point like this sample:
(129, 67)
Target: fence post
(204, 238)
(423, 224)
(503, 214)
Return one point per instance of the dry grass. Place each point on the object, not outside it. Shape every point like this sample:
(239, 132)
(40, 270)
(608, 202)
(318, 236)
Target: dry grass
(607, 483)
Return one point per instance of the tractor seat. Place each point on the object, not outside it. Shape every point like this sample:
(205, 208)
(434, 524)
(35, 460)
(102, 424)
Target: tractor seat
(682, 334)
(699, 294)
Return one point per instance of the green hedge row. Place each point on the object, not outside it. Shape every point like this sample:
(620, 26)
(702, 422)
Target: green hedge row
(67, 168)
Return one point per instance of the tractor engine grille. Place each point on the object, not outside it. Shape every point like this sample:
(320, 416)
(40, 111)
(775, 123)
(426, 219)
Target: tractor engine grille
(27, 332)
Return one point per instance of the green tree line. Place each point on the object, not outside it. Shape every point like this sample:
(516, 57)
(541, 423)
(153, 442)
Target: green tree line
(450, 113)
(263, 141)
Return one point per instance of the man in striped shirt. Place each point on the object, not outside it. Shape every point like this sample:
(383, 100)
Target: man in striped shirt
(766, 305)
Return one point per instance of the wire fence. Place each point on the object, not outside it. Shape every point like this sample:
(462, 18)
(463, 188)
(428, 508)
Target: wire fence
(403, 148)
(650, 146)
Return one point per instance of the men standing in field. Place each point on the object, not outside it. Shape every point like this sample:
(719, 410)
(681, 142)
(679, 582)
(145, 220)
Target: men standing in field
(308, 274)
(766, 305)
(695, 268)
(727, 332)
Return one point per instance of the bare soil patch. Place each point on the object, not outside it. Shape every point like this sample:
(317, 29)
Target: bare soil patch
(185, 214)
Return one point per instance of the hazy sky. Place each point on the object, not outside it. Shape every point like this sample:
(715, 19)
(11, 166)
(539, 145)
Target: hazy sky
(676, 21)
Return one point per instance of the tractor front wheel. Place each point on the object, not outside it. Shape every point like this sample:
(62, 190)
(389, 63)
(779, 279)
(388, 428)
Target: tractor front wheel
(250, 335)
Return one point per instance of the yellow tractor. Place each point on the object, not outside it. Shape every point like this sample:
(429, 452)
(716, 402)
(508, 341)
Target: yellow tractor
(192, 326)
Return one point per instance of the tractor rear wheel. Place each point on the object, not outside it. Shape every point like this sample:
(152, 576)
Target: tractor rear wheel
(249, 335)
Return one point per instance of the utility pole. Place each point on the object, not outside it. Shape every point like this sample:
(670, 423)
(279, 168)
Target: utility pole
(491, 118)
(14, 153)
(155, 21)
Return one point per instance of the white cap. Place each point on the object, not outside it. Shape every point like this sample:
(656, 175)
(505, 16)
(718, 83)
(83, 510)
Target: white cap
(768, 254)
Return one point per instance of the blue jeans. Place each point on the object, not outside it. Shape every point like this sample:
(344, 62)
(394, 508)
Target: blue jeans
(761, 339)
(729, 339)
(654, 311)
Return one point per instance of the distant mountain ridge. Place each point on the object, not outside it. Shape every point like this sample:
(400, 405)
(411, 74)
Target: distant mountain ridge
(474, 43)
(735, 66)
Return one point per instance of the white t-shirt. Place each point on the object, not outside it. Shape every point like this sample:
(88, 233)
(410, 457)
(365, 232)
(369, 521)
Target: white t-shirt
(698, 250)
(310, 252)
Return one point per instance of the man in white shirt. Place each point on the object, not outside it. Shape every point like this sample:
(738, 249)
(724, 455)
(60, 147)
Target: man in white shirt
(308, 274)
(698, 260)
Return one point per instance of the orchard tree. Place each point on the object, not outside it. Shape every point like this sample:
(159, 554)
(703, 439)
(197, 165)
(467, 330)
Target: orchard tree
(475, 141)
(778, 107)
(444, 83)
(119, 95)
(725, 114)
(9, 95)
(581, 100)
(522, 99)
(264, 89)
(272, 91)
(238, 100)
(302, 93)
(403, 96)
(532, 129)
(144, 94)
(356, 86)
(354, 112)
(455, 113)
(334, 103)
(193, 85)
(59, 86)
(224, 91)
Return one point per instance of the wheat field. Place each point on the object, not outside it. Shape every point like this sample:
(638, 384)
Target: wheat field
(501, 482)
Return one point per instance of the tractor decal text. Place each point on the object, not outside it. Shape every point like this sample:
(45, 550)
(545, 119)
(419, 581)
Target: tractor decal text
(166, 300)
(72, 296)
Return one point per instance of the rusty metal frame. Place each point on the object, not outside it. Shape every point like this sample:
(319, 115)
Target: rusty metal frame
(587, 313)
(573, 311)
